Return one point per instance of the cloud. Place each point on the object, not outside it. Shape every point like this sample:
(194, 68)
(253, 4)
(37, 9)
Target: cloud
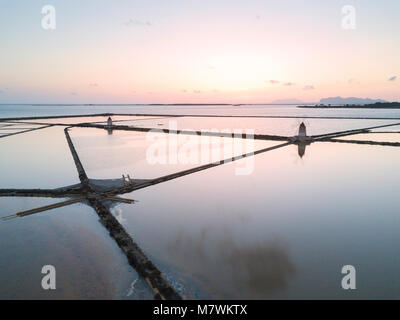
(352, 80)
(392, 78)
(93, 84)
(196, 91)
(288, 84)
(212, 67)
(273, 81)
(184, 90)
(308, 87)
(137, 23)
(1, 91)
(73, 93)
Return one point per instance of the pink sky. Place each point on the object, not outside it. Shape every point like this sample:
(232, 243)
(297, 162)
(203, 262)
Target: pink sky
(193, 52)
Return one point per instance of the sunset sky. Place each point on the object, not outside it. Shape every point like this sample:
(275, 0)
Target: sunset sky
(125, 51)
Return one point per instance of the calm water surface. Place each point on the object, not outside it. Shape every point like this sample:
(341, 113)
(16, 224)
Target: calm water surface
(7, 111)
(284, 230)
(88, 264)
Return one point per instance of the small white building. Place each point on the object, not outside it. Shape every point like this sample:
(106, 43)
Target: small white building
(109, 122)
(302, 130)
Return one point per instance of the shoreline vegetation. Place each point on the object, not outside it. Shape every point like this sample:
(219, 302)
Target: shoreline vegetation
(377, 105)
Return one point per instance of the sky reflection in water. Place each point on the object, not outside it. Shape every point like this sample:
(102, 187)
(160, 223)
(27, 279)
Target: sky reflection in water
(284, 231)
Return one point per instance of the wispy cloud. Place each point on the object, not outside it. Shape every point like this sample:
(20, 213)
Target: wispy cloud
(394, 78)
(93, 84)
(137, 23)
(288, 84)
(309, 87)
(353, 81)
(73, 93)
(196, 91)
(273, 81)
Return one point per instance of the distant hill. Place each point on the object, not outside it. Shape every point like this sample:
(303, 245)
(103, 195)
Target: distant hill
(350, 100)
(377, 105)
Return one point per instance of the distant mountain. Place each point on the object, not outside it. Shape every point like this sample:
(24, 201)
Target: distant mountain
(287, 101)
(378, 105)
(350, 100)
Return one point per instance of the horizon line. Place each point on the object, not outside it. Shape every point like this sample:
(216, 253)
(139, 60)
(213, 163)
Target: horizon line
(152, 104)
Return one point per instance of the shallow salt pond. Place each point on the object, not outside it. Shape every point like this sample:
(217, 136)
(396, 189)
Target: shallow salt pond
(92, 119)
(378, 137)
(37, 159)
(280, 224)
(88, 264)
(109, 156)
(286, 230)
(15, 128)
(269, 126)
